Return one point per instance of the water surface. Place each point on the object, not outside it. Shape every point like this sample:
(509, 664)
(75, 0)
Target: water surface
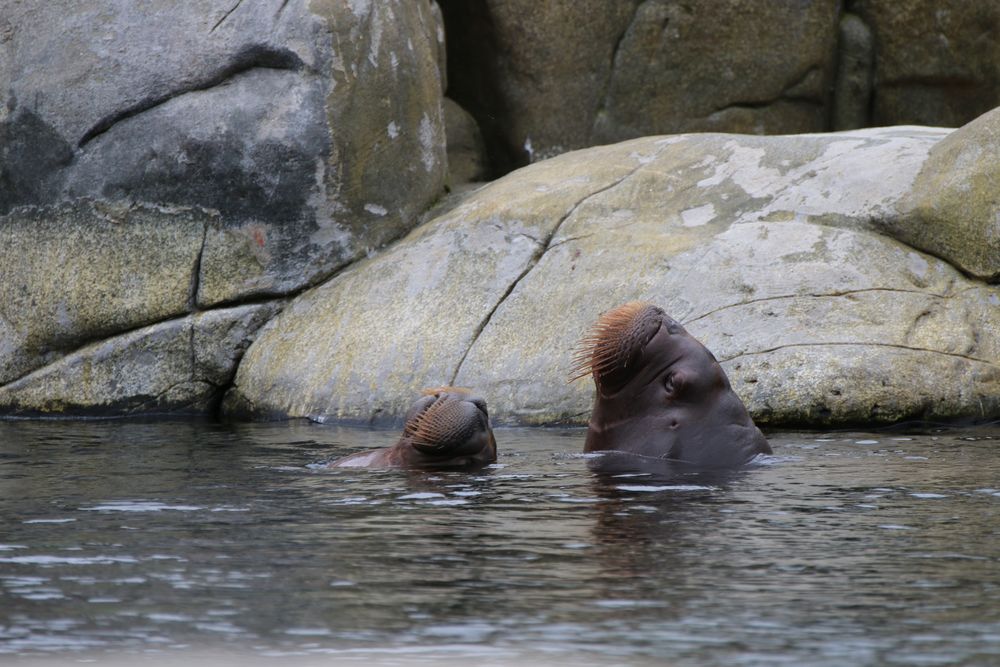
(177, 540)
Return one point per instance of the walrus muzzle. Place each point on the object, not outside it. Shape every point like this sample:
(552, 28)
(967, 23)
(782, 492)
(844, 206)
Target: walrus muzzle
(446, 424)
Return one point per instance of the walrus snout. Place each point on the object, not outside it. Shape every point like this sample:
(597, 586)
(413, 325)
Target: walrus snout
(611, 350)
(448, 428)
(448, 424)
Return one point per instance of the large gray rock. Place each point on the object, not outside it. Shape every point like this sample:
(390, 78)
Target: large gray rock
(953, 209)
(180, 366)
(277, 115)
(160, 160)
(777, 252)
(546, 77)
(557, 76)
(937, 62)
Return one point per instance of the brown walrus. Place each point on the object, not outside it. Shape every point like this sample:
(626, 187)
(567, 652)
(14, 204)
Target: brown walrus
(446, 428)
(661, 394)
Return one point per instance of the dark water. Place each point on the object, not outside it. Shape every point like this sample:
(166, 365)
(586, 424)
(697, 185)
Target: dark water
(136, 542)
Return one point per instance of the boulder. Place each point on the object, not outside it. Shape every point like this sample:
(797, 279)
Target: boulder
(953, 209)
(275, 116)
(780, 253)
(937, 62)
(547, 77)
(180, 366)
(159, 161)
(736, 66)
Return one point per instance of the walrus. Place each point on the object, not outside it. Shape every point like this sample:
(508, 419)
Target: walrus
(446, 428)
(660, 394)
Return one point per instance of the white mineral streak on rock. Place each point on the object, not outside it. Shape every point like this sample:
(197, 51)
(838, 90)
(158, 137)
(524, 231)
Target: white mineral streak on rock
(698, 216)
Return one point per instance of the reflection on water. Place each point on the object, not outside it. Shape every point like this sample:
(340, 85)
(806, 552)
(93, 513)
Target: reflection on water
(165, 539)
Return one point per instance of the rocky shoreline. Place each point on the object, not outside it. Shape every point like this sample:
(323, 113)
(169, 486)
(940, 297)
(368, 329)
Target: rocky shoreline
(245, 213)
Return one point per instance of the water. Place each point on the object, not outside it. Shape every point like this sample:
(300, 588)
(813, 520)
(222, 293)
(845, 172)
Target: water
(176, 541)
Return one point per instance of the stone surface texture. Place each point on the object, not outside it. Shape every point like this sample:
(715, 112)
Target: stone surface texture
(275, 114)
(782, 254)
(467, 160)
(179, 366)
(937, 62)
(544, 78)
(953, 209)
(80, 271)
(162, 160)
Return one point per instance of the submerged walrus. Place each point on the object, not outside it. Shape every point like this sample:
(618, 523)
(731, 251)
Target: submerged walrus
(662, 394)
(447, 428)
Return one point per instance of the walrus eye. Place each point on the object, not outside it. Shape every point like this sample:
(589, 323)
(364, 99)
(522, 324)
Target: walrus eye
(673, 328)
(674, 383)
(669, 384)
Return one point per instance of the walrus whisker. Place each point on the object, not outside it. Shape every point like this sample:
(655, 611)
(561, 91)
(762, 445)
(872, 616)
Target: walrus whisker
(441, 423)
(610, 342)
(444, 429)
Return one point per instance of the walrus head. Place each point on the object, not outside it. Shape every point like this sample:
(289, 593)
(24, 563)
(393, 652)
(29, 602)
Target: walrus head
(661, 393)
(448, 427)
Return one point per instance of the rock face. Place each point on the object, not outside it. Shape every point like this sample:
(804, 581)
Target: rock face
(544, 78)
(77, 272)
(160, 160)
(355, 347)
(276, 117)
(789, 257)
(172, 174)
(953, 209)
(724, 67)
(179, 366)
(935, 62)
